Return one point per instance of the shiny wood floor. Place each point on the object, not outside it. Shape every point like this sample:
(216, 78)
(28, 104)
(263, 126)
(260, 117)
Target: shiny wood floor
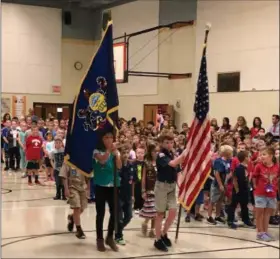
(34, 226)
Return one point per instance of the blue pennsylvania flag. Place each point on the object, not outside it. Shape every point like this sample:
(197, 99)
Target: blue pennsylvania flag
(95, 108)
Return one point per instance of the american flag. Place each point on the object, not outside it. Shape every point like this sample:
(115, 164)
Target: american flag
(197, 158)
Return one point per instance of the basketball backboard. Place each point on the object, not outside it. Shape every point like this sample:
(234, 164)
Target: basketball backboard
(120, 61)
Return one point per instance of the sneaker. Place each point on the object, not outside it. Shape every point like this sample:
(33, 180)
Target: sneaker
(270, 236)
(144, 229)
(160, 245)
(263, 237)
(111, 243)
(24, 175)
(136, 211)
(80, 233)
(198, 217)
(232, 225)
(249, 224)
(220, 220)
(70, 225)
(152, 233)
(166, 240)
(100, 245)
(211, 221)
(187, 219)
(120, 241)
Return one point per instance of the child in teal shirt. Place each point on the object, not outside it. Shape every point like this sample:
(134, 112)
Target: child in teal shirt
(105, 158)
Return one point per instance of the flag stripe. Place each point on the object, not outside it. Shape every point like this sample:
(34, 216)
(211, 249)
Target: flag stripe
(197, 160)
(198, 169)
(196, 139)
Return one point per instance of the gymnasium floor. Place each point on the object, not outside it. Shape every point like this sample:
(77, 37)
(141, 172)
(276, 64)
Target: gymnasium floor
(34, 226)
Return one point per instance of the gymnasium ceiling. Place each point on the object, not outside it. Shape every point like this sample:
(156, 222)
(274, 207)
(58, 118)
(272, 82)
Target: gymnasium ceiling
(71, 4)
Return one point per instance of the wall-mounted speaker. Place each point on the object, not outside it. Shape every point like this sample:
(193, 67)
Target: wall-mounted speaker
(67, 18)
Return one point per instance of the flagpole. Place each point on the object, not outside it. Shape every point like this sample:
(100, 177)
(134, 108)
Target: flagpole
(178, 223)
(207, 29)
(116, 194)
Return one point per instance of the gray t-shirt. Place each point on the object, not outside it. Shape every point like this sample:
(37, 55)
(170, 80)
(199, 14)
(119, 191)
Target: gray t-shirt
(57, 155)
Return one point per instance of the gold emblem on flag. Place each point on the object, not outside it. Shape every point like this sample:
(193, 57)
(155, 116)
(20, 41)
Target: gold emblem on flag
(97, 102)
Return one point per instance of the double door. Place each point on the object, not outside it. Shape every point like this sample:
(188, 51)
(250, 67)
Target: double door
(57, 110)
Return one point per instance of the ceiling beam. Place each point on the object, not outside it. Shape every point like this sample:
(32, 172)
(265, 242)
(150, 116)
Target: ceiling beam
(46, 3)
(113, 4)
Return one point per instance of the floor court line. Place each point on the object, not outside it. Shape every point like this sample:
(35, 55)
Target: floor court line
(36, 207)
(138, 229)
(196, 252)
(39, 199)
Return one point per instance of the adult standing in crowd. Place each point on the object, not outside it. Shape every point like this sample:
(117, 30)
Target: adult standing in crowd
(274, 129)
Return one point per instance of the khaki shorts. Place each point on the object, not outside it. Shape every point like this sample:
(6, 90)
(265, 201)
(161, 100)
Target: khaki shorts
(78, 199)
(215, 194)
(165, 196)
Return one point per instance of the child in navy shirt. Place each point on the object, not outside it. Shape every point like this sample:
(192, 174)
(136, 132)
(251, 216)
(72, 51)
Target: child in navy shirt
(217, 191)
(126, 195)
(240, 192)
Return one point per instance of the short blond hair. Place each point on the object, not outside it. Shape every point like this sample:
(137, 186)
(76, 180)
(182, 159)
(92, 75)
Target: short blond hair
(226, 150)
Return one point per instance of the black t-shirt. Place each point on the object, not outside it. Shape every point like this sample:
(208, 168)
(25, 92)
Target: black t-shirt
(165, 173)
(127, 178)
(242, 180)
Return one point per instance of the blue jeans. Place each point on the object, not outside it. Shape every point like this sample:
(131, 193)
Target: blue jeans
(23, 162)
(59, 185)
(125, 215)
(92, 189)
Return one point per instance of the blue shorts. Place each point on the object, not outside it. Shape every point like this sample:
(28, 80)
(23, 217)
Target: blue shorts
(265, 202)
(200, 198)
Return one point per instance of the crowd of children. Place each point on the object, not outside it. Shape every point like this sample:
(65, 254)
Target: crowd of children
(245, 174)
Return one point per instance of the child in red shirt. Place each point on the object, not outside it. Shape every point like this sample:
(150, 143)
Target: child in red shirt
(33, 147)
(265, 180)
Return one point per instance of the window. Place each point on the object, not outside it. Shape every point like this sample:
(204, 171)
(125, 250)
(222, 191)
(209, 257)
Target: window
(229, 82)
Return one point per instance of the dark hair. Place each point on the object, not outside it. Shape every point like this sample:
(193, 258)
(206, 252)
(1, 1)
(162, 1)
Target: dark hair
(5, 115)
(133, 119)
(184, 124)
(226, 119)
(254, 123)
(100, 144)
(242, 155)
(276, 116)
(151, 147)
(227, 126)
